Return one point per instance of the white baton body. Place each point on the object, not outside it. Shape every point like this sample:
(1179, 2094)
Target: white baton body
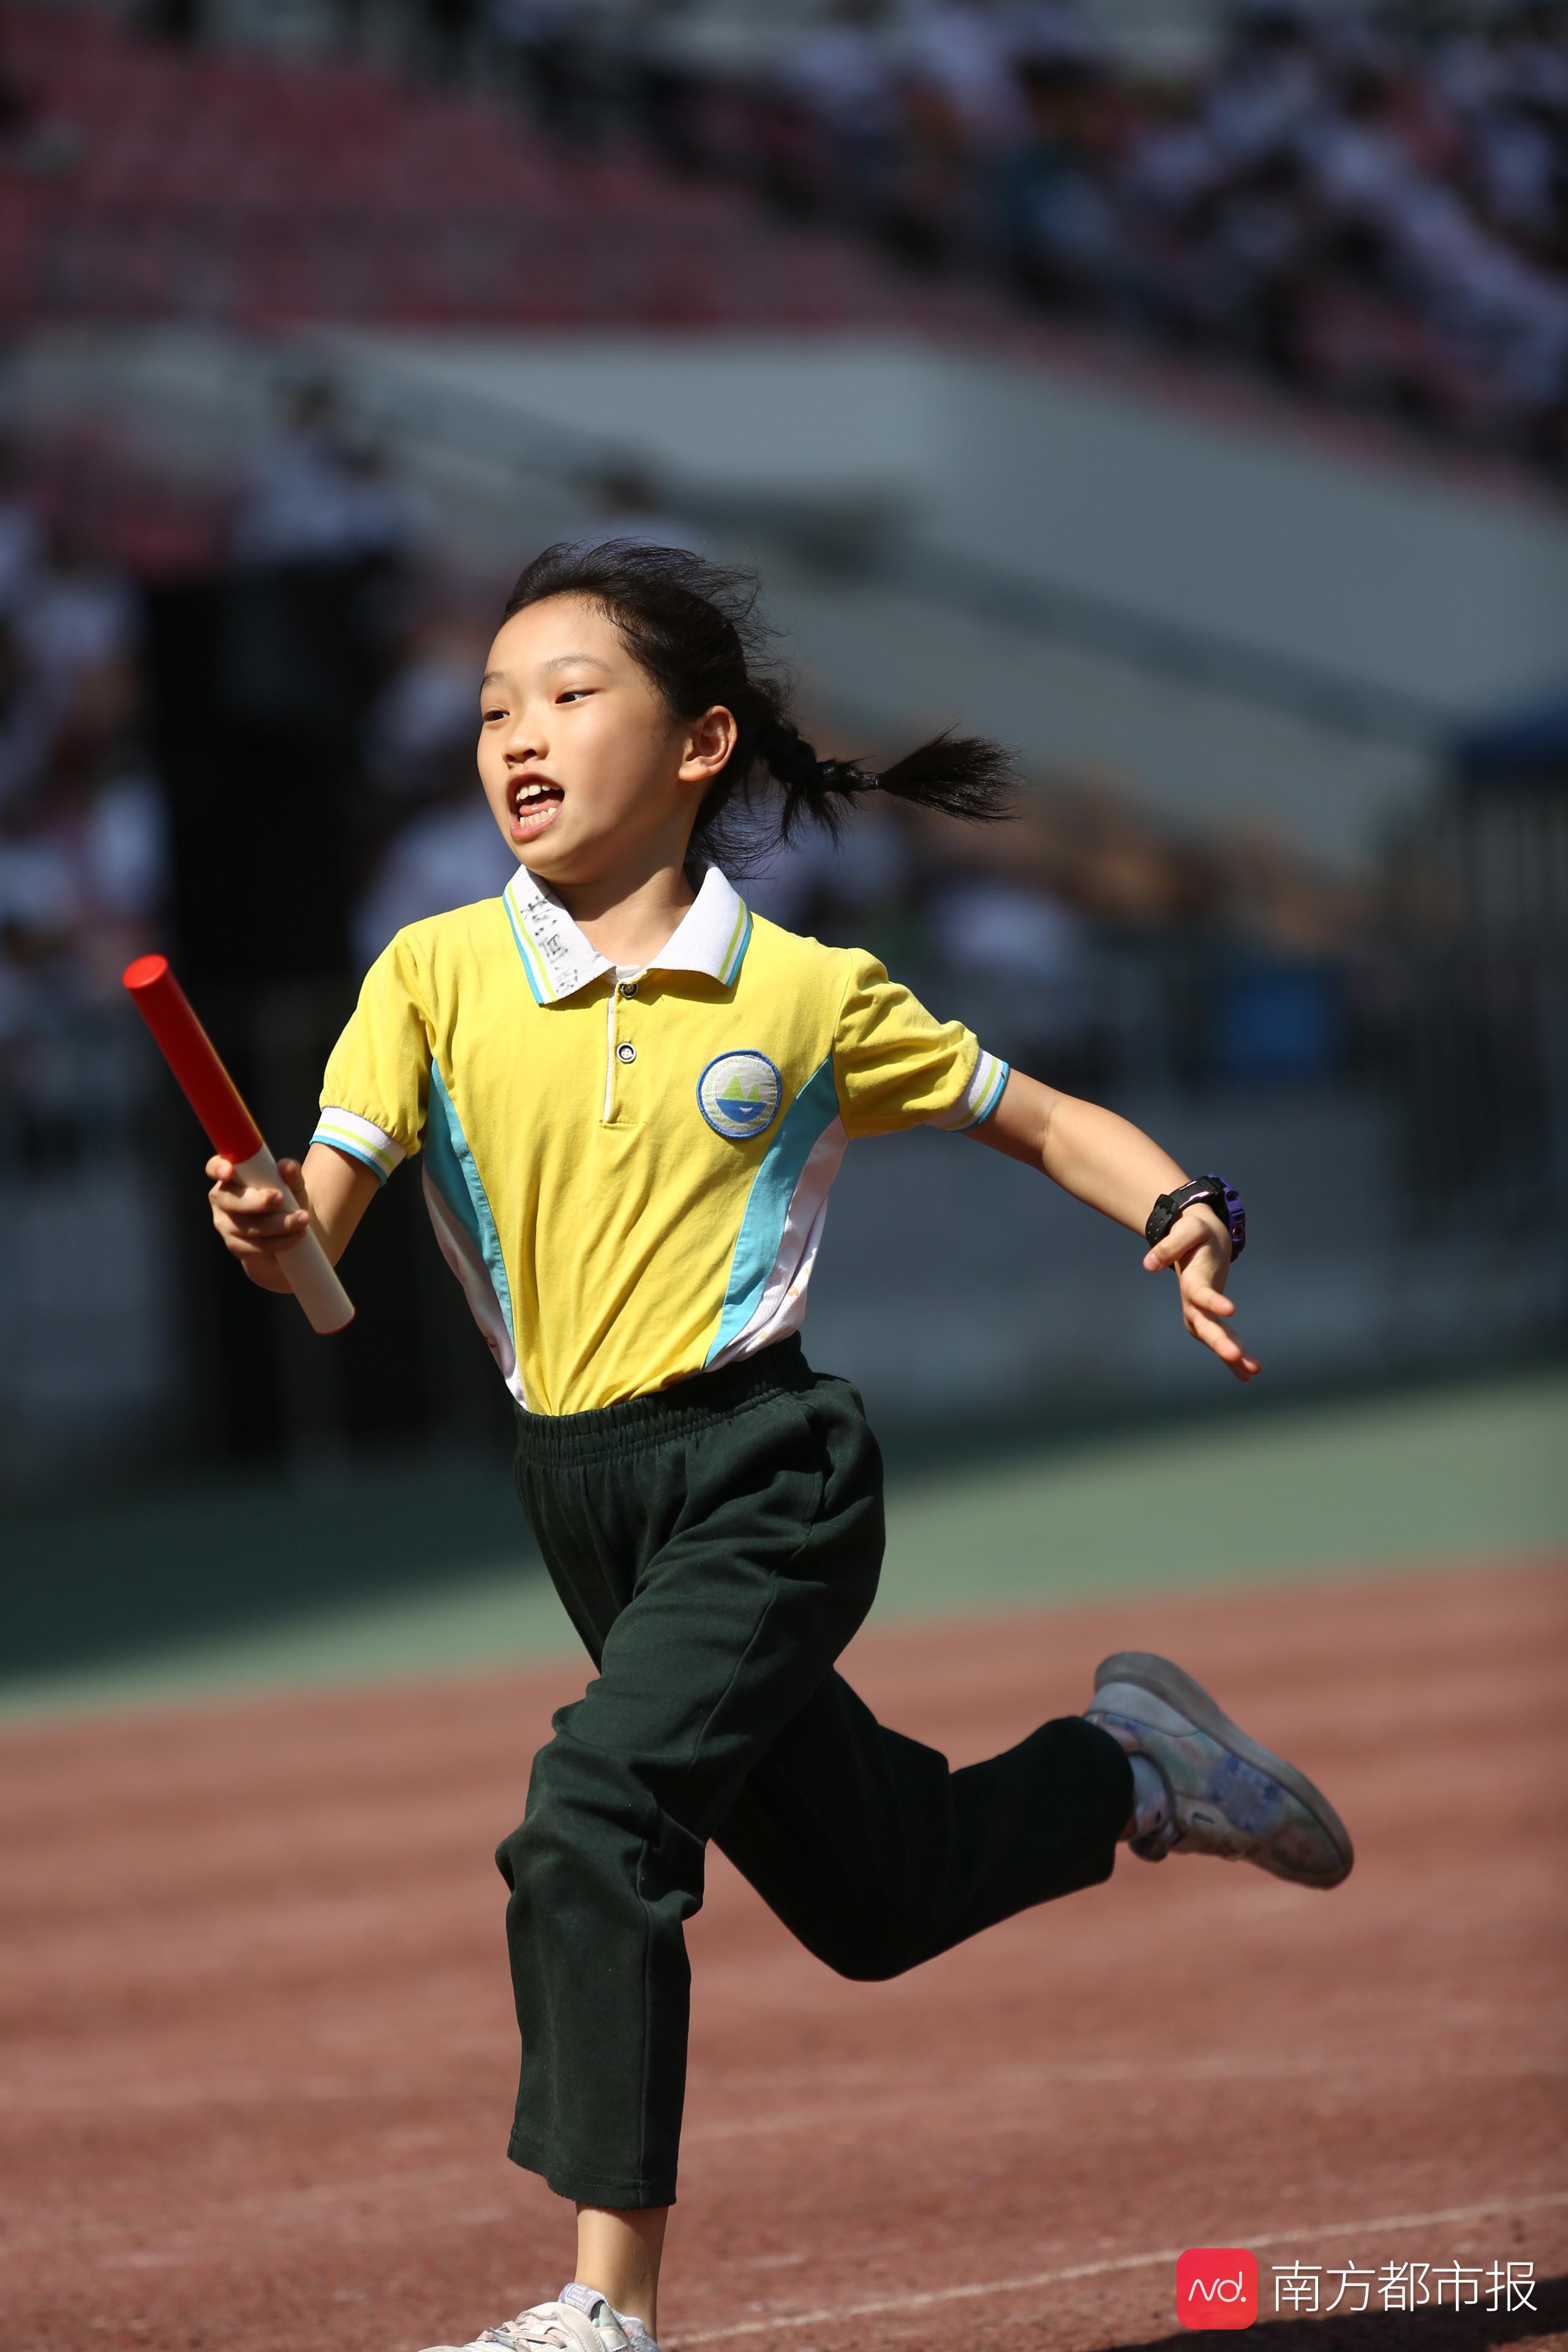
(306, 1267)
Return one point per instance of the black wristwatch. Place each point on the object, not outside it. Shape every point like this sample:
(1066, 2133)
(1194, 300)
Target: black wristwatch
(1222, 1198)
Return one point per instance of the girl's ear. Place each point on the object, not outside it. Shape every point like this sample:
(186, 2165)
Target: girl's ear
(709, 743)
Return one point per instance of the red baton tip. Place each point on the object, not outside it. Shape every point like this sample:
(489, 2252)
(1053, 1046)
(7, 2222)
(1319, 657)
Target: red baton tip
(192, 1057)
(145, 972)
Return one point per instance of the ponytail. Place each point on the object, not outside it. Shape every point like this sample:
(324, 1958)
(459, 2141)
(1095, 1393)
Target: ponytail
(693, 627)
(956, 775)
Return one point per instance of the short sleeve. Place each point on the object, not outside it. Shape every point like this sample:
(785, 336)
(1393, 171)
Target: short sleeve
(378, 1076)
(896, 1065)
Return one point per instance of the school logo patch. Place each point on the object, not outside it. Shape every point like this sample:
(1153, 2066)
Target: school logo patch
(739, 1094)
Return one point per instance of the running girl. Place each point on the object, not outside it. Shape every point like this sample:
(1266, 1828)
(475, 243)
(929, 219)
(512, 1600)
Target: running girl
(631, 1097)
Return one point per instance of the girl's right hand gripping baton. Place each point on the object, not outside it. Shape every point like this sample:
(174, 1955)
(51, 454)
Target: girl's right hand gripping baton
(219, 1105)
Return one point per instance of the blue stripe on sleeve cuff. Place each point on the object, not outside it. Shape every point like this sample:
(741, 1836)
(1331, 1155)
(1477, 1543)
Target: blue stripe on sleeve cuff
(361, 1139)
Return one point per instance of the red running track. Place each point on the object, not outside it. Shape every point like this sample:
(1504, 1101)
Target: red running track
(260, 2050)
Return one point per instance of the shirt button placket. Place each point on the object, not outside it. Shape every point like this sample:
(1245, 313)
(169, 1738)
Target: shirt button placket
(620, 1052)
(611, 1069)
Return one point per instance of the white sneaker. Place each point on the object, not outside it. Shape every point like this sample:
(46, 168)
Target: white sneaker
(581, 2321)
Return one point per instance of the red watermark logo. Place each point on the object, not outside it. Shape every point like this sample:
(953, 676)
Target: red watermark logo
(1216, 2286)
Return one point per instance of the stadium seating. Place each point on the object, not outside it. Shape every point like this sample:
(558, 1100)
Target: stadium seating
(236, 188)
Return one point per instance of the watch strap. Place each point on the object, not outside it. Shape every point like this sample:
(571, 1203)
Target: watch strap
(1215, 1194)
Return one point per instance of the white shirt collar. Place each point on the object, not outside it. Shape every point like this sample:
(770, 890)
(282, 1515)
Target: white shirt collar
(712, 937)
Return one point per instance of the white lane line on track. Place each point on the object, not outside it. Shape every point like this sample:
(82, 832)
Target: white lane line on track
(829, 2315)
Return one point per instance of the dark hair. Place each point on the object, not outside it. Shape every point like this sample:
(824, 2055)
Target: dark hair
(695, 629)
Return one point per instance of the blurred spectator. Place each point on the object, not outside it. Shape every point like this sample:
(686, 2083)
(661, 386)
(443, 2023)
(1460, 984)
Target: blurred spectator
(1008, 930)
(21, 540)
(44, 987)
(432, 842)
(82, 823)
(124, 854)
(40, 900)
(961, 54)
(1366, 204)
(81, 880)
(961, 106)
(663, 84)
(78, 625)
(990, 928)
(425, 722)
(544, 51)
(83, 875)
(838, 886)
(1062, 213)
(323, 492)
(1269, 89)
(448, 855)
(1368, 199)
(842, 77)
(24, 730)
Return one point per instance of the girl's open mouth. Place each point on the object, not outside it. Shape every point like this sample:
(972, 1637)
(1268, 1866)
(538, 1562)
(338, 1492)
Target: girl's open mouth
(534, 802)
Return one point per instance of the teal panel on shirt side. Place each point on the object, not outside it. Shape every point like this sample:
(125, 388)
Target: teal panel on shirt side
(802, 1128)
(449, 1164)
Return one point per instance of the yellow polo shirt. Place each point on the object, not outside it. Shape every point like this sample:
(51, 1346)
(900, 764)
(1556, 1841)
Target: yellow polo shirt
(629, 1172)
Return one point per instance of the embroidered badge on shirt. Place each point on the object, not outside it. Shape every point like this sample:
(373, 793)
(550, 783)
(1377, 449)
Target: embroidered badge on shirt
(739, 1094)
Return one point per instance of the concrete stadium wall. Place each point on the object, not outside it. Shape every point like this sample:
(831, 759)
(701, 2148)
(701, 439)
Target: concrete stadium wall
(1270, 535)
(1220, 610)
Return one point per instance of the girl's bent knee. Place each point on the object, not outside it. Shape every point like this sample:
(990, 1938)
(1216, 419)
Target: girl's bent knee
(548, 1838)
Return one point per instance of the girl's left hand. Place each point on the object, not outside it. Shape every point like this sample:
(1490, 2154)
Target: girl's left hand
(1198, 1246)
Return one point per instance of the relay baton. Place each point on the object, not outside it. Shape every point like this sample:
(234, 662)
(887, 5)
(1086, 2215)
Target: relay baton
(219, 1105)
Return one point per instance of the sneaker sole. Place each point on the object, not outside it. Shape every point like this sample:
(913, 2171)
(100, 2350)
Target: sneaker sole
(1162, 1680)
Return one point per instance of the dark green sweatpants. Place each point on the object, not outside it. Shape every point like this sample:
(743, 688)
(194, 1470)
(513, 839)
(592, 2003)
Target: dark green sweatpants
(716, 1546)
